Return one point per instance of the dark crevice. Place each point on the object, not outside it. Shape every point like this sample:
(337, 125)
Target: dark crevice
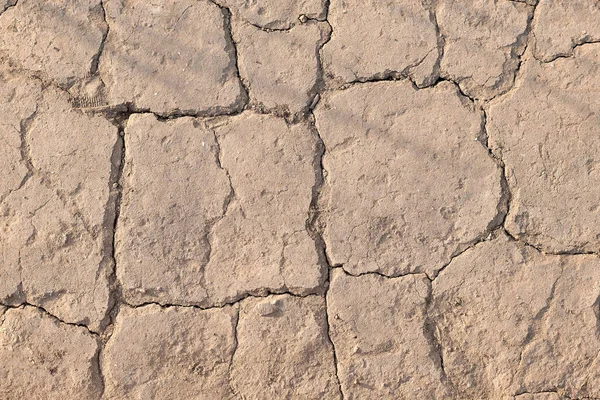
(332, 344)
(226, 203)
(24, 148)
(435, 344)
(96, 59)
(119, 118)
(570, 53)
(112, 216)
(123, 111)
(528, 2)
(302, 19)
(380, 274)
(314, 222)
(315, 227)
(320, 84)
(9, 4)
(270, 30)
(386, 76)
(232, 45)
(111, 220)
(548, 253)
(263, 295)
(129, 108)
(54, 317)
(563, 396)
(441, 43)
(97, 367)
(505, 193)
(235, 347)
(482, 239)
(518, 51)
(231, 195)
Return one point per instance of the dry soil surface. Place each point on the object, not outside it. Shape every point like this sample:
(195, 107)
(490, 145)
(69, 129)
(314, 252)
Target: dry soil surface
(300, 199)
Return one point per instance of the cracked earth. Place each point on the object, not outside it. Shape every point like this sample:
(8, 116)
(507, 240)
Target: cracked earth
(279, 199)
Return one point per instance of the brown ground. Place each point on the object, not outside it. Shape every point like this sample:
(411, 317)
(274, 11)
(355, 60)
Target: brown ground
(300, 199)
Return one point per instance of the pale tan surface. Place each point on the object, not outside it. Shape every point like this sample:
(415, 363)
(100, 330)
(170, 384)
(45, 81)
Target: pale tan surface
(425, 187)
(277, 199)
(493, 37)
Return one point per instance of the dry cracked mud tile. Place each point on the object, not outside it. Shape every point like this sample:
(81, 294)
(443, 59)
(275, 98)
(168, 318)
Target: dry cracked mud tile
(185, 236)
(42, 358)
(57, 225)
(483, 42)
(546, 131)
(280, 68)
(374, 39)
(561, 25)
(170, 353)
(58, 39)
(513, 320)
(276, 14)
(173, 190)
(170, 57)
(564, 352)
(485, 304)
(261, 244)
(408, 183)
(283, 350)
(378, 328)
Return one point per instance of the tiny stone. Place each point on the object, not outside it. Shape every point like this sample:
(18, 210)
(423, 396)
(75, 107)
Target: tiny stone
(267, 308)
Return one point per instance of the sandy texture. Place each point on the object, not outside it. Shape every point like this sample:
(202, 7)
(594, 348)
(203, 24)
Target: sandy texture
(177, 352)
(278, 199)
